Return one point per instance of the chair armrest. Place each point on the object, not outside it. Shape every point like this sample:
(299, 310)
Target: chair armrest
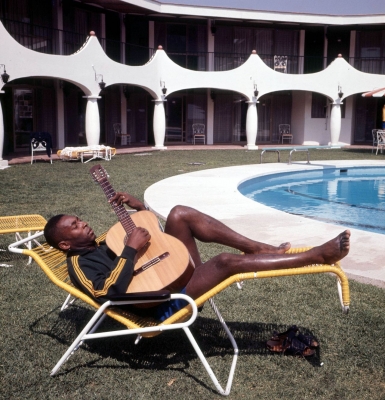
(14, 247)
(160, 295)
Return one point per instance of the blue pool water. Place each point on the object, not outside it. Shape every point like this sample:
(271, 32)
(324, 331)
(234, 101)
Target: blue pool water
(352, 197)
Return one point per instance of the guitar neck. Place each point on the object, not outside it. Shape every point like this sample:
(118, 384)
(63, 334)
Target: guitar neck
(120, 211)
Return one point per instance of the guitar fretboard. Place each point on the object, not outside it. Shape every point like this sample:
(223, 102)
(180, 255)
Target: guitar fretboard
(120, 211)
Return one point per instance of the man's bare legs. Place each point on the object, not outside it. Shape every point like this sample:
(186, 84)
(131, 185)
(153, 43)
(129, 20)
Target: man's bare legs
(221, 267)
(188, 224)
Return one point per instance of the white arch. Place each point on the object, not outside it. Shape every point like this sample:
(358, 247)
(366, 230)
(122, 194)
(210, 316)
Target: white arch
(85, 67)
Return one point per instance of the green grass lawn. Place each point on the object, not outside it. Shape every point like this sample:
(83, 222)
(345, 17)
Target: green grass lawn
(34, 334)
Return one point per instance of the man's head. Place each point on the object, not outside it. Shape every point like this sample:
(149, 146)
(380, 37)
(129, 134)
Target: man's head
(66, 232)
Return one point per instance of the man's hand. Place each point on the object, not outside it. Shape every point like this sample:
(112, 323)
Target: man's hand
(125, 198)
(138, 238)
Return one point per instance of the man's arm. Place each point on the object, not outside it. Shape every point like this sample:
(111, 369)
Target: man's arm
(100, 276)
(125, 198)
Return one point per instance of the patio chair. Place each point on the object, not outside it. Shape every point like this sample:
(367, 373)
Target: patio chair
(41, 141)
(284, 133)
(18, 224)
(53, 263)
(380, 140)
(374, 137)
(199, 132)
(119, 134)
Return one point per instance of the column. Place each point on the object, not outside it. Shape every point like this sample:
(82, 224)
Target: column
(60, 117)
(301, 51)
(210, 46)
(103, 31)
(123, 117)
(210, 118)
(159, 124)
(352, 48)
(251, 125)
(58, 18)
(3, 163)
(335, 124)
(151, 39)
(325, 47)
(92, 121)
(122, 39)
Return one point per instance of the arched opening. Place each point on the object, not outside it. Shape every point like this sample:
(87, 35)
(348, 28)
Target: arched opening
(183, 109)
(29, 105)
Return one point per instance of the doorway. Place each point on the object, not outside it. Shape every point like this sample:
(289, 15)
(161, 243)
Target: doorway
(175, 117)
(184, 109)
(368, 116)
(23, 117)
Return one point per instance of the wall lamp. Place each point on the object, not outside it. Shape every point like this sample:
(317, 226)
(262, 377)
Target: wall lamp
(4, 75)
(102, 84)
(164, 89)
(340, 93)
(255, 90)
(213, 95)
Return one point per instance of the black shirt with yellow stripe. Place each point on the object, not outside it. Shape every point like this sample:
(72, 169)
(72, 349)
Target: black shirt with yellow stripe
(99, 272)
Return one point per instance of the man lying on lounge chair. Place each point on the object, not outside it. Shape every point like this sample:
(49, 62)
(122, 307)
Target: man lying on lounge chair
(96, 270)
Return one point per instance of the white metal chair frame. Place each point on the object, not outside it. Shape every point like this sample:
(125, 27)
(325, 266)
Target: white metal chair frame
(280, 64)
(26, 224)
(284, 132)
(374, 137)
(199, 132)
(380, 140)
(37, 145)
(88, 331)
(118, 133)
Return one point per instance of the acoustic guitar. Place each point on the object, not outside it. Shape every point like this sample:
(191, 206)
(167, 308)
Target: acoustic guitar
(164, 263)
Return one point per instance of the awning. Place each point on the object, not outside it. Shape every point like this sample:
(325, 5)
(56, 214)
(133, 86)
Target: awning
(375, 93)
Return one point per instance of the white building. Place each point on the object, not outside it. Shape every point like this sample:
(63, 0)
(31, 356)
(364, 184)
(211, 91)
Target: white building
(239, 68)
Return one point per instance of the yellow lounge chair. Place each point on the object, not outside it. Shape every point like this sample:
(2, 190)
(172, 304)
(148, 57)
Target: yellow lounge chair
(90, 152)
(19, 224)
(53, 263)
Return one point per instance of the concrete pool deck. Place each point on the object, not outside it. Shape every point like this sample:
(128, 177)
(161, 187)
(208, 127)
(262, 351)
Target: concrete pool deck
(214, 191)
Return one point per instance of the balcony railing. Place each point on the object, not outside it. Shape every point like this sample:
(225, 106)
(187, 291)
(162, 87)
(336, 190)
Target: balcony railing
(372, 65)
(54, 41)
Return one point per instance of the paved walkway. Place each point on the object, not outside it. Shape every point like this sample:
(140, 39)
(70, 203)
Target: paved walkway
(214, 192)
(23, 158)
(19, 158)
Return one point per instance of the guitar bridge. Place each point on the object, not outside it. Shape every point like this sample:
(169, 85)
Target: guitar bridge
(151, 263)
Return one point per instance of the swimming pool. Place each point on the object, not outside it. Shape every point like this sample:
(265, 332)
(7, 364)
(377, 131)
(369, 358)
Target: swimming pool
(352, 197)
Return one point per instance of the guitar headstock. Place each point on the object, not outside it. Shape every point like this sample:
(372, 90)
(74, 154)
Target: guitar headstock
(99, 174)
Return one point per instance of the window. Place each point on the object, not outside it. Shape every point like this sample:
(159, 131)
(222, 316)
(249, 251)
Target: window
(185, 44)
(318, 105)
(370, 51)
(233, 46)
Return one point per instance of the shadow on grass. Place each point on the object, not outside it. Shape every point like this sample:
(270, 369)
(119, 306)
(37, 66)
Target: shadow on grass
(170, 350)
(8, 259)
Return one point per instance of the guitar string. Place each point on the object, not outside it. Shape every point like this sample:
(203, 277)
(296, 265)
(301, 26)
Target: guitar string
(125, 219)
(151, 262)
(120, 210)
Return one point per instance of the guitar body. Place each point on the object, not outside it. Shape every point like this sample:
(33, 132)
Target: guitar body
(171, 272)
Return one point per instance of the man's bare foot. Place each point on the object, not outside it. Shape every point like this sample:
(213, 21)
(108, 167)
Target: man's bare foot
(268, 249)
(335, 249)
